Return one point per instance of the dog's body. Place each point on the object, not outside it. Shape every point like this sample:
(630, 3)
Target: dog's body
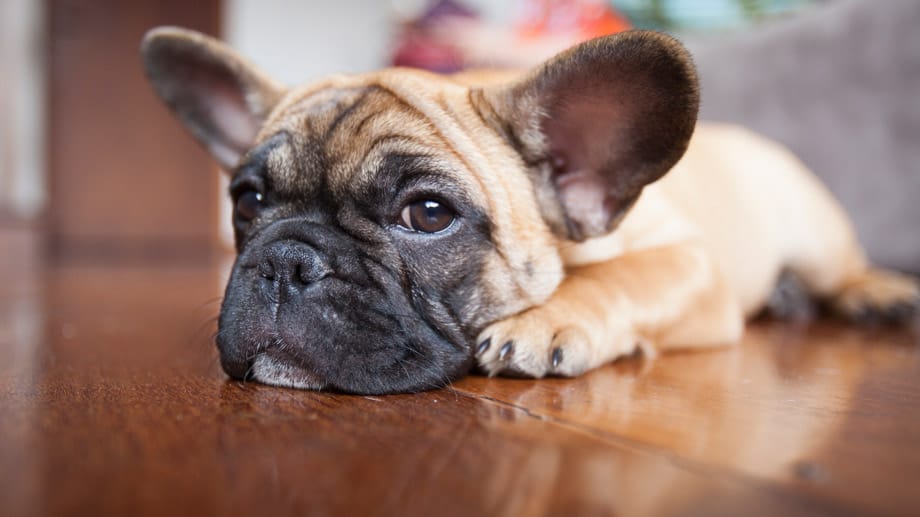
(395, 227)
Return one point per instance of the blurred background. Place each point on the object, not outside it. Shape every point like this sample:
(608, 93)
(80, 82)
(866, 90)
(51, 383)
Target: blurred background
(93, 168)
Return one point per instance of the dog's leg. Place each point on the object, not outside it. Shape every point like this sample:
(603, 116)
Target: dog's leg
(861, 293)
(869, 296)
(877, 296)
(664, 297)
(829, 260)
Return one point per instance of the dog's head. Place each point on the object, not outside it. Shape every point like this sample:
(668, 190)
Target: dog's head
(383, 219)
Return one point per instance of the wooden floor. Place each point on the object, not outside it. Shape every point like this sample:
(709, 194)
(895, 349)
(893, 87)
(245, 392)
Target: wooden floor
(112, 403)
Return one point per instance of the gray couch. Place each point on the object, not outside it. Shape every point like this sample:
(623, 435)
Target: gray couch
(840, 85)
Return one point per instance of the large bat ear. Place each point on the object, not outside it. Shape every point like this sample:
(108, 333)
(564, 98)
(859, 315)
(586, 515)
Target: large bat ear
(222, 98)
(597, 123)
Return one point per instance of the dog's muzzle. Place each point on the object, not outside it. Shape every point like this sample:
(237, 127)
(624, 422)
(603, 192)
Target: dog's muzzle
(307, 306)
(286, 271)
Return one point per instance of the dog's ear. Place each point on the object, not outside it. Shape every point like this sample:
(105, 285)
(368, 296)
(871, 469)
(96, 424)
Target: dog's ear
(597, 123)
(220, 97)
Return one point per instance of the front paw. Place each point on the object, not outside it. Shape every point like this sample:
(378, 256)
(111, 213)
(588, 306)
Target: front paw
(541, 341)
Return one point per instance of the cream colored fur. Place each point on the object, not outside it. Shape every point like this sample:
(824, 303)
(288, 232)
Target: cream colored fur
(699, 252)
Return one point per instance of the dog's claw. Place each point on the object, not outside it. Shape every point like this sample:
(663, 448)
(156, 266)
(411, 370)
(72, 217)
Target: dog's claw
(541, 341)
(506, 351)
(557, 357)
(486, 343)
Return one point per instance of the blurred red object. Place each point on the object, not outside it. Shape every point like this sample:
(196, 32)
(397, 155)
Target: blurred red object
(448, 36)
(589, 18)
(419, 44)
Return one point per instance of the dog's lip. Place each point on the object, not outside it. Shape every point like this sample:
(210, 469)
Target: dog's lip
(272, 370)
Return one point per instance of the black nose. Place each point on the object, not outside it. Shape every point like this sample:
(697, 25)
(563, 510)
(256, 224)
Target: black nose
(288, 267)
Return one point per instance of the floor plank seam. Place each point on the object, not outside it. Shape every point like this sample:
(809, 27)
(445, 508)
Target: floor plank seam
(777, 489)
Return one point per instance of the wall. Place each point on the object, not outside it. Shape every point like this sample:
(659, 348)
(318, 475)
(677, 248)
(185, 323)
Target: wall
(22, 190)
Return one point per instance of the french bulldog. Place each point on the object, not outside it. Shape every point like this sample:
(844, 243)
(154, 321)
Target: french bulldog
(397, 229)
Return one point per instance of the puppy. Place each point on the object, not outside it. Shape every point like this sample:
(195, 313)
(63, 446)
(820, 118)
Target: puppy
(396, 229)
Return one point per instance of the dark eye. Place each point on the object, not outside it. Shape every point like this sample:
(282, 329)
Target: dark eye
(248, 205)
(427, 216)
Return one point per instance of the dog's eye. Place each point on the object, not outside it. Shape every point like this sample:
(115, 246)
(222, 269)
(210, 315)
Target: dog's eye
(248, 205)
(427, 216)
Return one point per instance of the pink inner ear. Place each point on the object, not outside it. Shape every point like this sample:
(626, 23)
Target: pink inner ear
(584, 196)
(234, 123)
(588, 129)
(585, 132)
(217, 95)
(616, 113)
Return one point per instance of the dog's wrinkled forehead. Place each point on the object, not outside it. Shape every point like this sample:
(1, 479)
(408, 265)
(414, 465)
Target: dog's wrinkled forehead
(339, 138)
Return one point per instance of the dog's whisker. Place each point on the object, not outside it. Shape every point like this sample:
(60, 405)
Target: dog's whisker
(209, 302)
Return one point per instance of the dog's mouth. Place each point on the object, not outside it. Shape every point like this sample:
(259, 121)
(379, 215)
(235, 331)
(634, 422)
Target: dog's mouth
(277, 370)
(342, 340)
(393, 367)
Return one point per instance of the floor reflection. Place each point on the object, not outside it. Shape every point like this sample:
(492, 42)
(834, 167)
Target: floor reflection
(112, 396)
(22, 327)
(774, 408)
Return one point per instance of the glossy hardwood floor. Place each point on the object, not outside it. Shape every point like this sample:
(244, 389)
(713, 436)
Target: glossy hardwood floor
(112, 403)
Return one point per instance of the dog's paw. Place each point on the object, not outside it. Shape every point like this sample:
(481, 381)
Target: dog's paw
(541, 341)
(879, 297)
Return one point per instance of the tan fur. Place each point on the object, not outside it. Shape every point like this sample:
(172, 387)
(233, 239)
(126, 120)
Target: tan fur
(699, 251)
(420, 112)
(729, 217)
